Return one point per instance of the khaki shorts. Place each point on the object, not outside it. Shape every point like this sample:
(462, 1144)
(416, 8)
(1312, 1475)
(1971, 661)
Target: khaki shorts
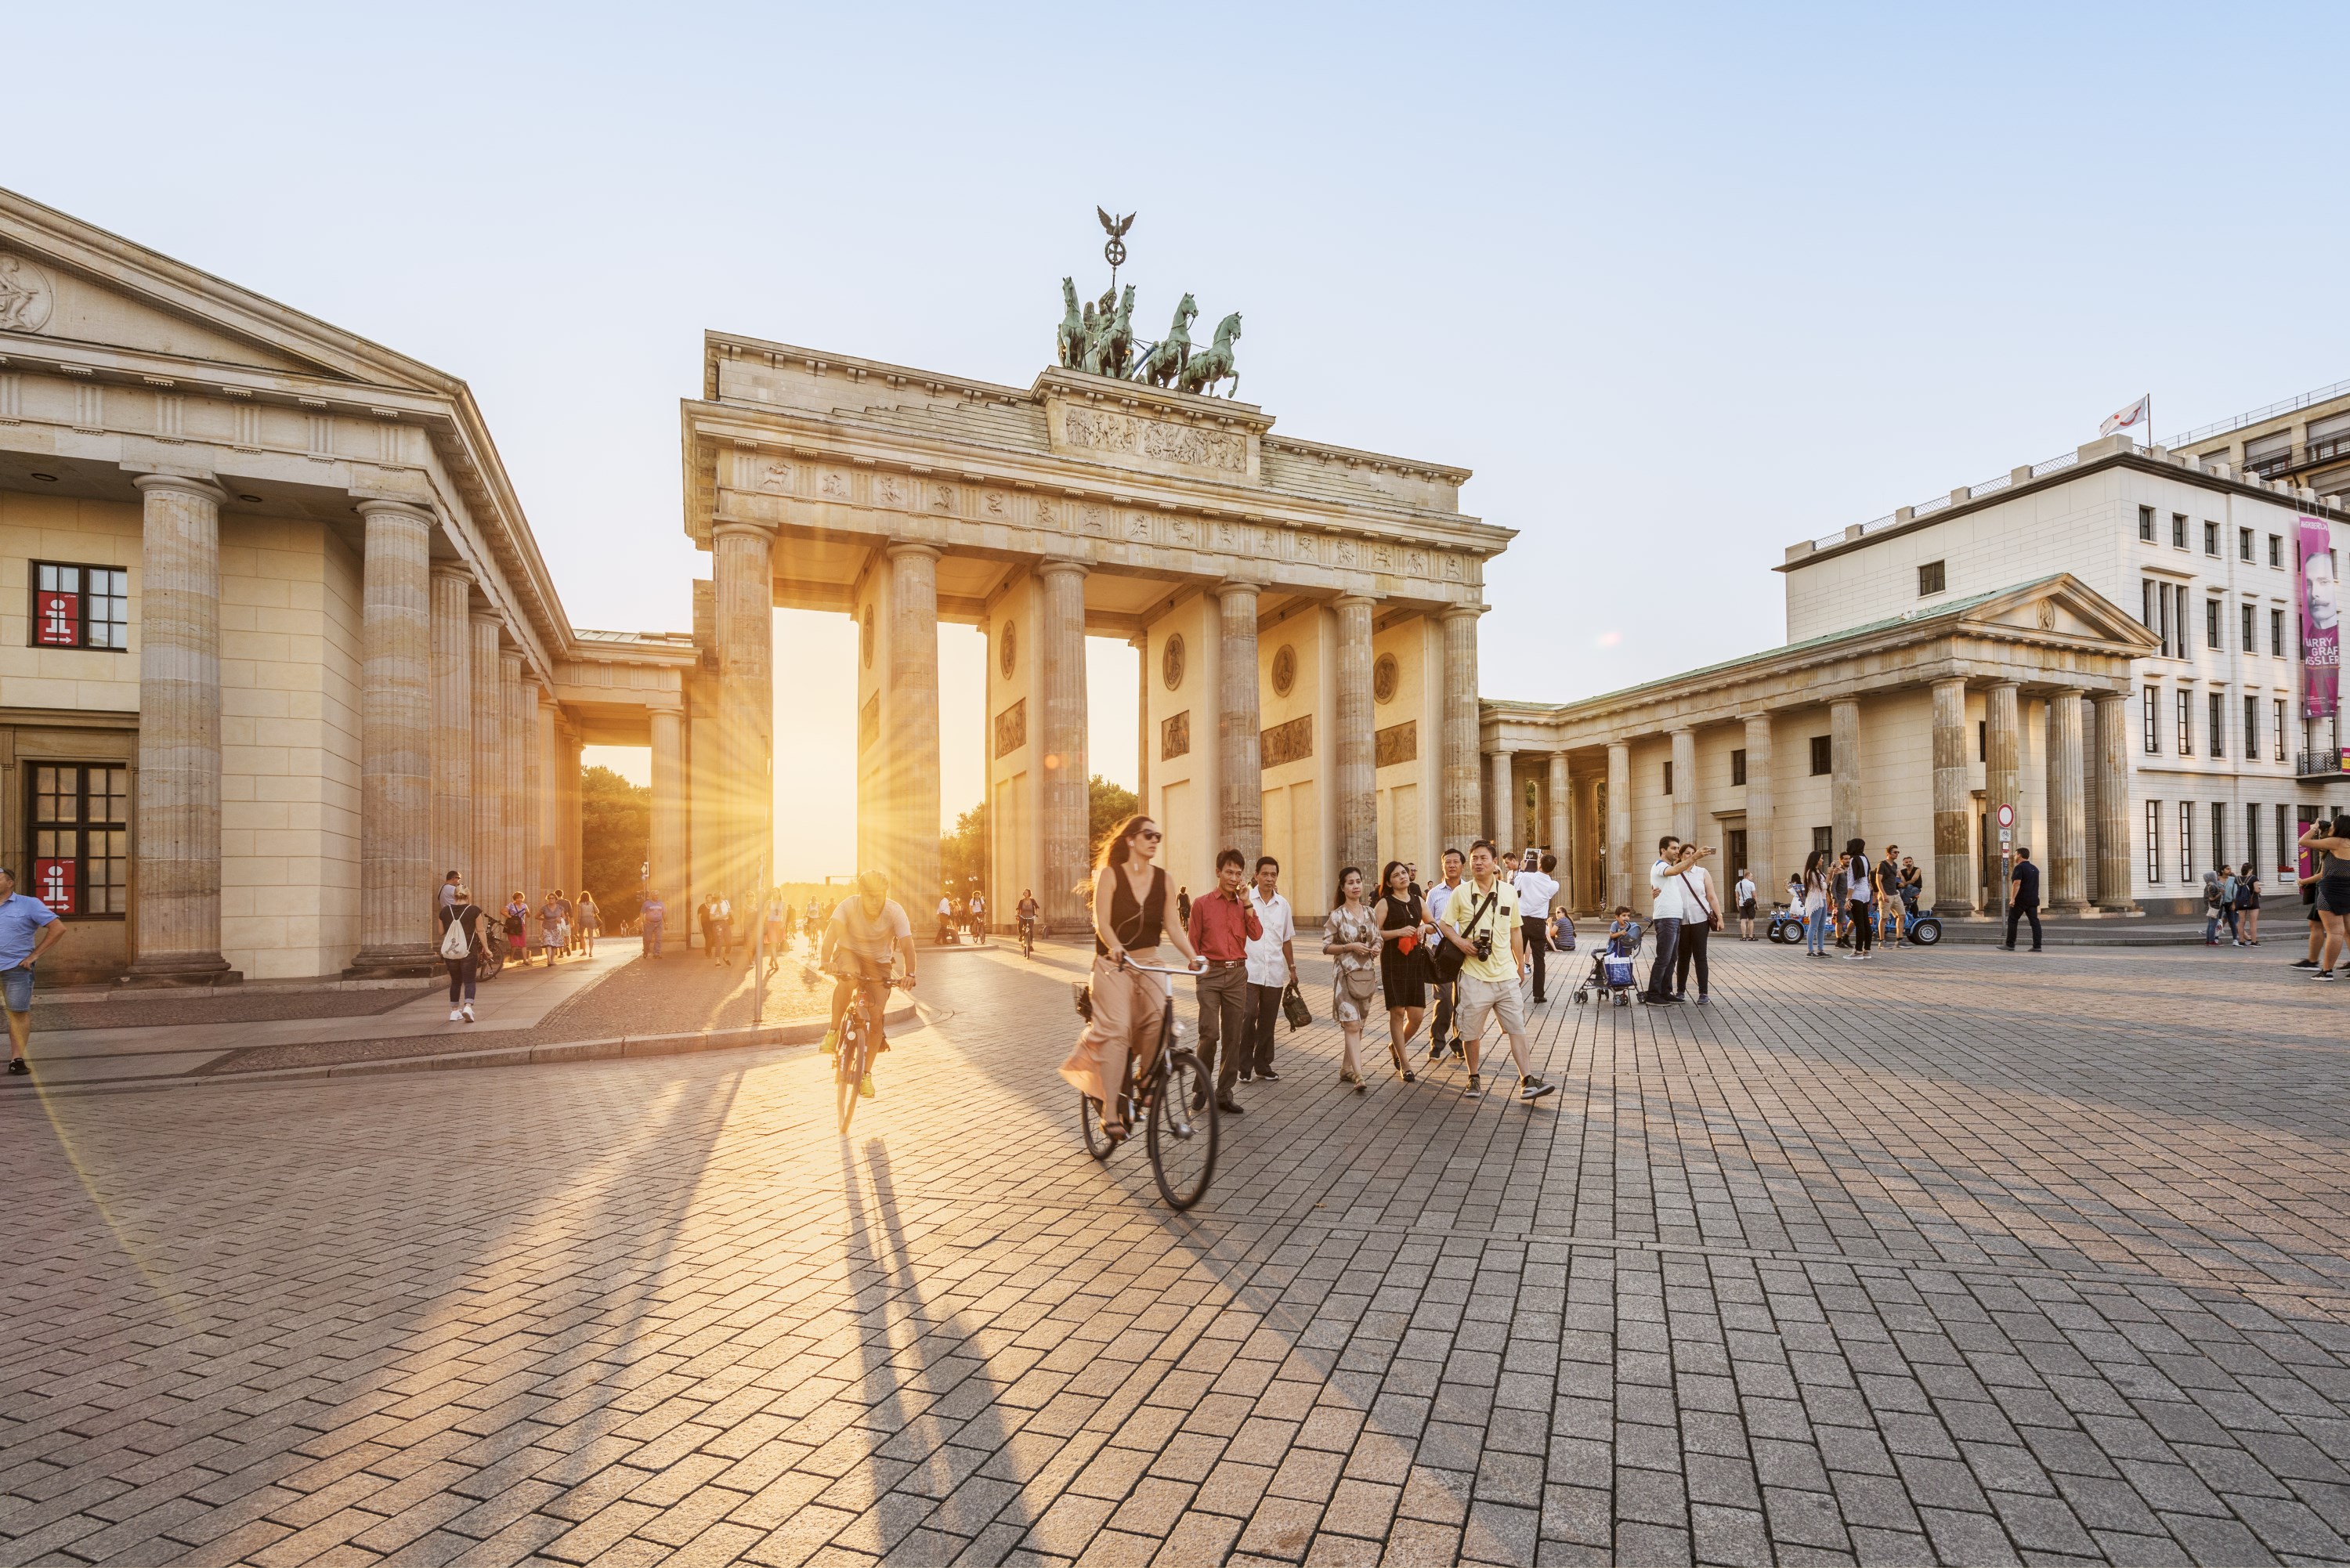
(1500, 997)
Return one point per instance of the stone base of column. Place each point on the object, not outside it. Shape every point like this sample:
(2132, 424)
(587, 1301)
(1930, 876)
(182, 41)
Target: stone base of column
(181, 968)
(1954, 910)
(2070, 912)
(400, 961)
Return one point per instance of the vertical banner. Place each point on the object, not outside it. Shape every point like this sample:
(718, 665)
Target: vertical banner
(2321, 622)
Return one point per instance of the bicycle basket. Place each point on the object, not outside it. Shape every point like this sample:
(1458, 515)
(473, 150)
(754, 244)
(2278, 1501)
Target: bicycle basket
(1082, 995)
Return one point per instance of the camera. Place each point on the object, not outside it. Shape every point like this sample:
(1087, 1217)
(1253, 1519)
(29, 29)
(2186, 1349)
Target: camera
(1485, 946)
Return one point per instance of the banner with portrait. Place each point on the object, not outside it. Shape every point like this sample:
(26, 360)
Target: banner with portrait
(2321, 622)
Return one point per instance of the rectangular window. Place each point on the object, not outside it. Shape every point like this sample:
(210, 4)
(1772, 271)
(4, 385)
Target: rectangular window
(1738, 765)
(2153, 720)
(2250, 628)
(2218, 833)
(1982, 740)
(2211, 538)
(1823, 756)
(2145, 523)
(2154, 841)
(81, 839)
(2186, 724)
(2251, 729)
(80, 607)
(2276, 731)
(2178, 530)
(2218, 724)
(1822, 840)
(1668, 776)
(2185, 841)
(2210, 623)
(2276, 551)
(2162, 616)
(2276, 633)
(2252, 836)
(2244, 543)
(1930, 579)
(2146, 603)
(2284, 835)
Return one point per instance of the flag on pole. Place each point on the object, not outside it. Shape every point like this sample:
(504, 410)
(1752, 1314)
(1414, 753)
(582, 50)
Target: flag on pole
(2123, 417)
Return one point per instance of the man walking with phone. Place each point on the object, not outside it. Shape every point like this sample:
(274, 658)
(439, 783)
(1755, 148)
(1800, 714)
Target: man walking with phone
(1271, 967)
(1221, 924)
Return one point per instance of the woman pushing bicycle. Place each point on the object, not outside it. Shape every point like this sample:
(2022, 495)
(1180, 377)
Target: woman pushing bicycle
(1130, 910)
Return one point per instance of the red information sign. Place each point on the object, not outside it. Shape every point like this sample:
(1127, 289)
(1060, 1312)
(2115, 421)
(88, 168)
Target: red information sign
(52, 884)
(56, 618)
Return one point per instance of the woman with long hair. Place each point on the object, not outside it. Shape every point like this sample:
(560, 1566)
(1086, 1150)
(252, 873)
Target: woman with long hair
(1814, 906)
(1403, 964)
(1129, 918)
(1353, 942)
(590, 918)
(2331, 843)
(2248, 905)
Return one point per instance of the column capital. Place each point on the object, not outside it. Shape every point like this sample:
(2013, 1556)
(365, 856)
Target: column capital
(486, 618)
(766, 530)
(2005, 685)
(1345, 601)
(370, 508)
(2102, 697)
(673, 705)
(180, 483)
(446, 570)
(2057, 694)
(912, 549)
(1057, 566)
(1230, 586)
(1457, 612)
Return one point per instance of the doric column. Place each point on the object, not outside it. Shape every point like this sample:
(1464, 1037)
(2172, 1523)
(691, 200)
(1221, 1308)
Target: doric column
(1954, 879)
(1141, 643)
(176, 823)
(485, 865)
(1561, 817)
(1619, 824)
(453, 722)
(538, 746)
(744, 597)
(514, 705)
(1685, 785)
(1065, 810)
(2002, 766)
(1240, 790)
(1762, 811)
(911, 732)
(666, 852)
(396, 873)
(575, 862)
(2069, 825)
(2114, 862)
(1458, 756)
(1844, 757)
(1355, 781)
(1501, 816)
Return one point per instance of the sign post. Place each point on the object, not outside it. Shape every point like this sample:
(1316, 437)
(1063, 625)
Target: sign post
(2006, 853)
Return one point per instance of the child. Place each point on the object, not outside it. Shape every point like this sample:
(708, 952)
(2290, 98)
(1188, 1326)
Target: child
(1623, 924)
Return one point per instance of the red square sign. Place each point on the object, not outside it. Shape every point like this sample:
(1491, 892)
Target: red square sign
(52, 884)
(56, 618)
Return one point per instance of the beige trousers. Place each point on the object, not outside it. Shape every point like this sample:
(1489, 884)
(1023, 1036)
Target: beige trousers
(1128, 1008)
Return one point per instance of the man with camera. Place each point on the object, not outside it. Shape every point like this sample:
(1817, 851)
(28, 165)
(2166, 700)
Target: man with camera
(1481, 919)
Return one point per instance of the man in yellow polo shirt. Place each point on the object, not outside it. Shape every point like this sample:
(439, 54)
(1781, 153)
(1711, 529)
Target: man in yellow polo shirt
(1485, 911)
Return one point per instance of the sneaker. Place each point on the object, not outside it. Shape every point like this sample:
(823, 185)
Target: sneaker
(1702, 998)
(831, 1046)
(1267, 1075)
(1246, 1078)
(468, 1011)
(1533, 1089)
(456, 1015)
(2321, 974)
(864, 1087)
(1857, 957)
(18, 1064)
(1475, 1087)
(2302, 964)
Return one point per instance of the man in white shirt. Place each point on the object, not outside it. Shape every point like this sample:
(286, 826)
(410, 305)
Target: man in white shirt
(1536, 890)
(1667, 909)
(1445, 1032)
(1745, 893)
(1272, 969)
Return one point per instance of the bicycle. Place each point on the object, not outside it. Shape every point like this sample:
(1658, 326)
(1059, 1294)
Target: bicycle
(1027, 939)
(860, 1035)
(1180, 1104)
(490, 958)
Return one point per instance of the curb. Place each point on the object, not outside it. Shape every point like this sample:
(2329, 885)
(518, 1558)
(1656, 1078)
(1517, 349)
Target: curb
(806, 1031)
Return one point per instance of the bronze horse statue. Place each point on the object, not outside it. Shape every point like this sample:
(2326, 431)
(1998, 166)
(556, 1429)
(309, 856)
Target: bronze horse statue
(1215, 364)
(1117, 337)
(1070, 340)
(1165, 362)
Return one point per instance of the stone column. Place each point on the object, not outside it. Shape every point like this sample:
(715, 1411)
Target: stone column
(2114, 865)
(514, 708)
(1685, 787)
(485, 866)
(1240, 791)
(1954, 879)
(2068, 814)
(1844, 756)
(1619, 824)
(1562, 834)
(176, 819)
(1761, 812)
(453, 722)
(1063, 807)
(666, 850)
(1458, 756)
(1355, 778)
(396, 777)
(911, 737)
(538, 792)
(2002, 766)
(743, 596)
(1141, 643)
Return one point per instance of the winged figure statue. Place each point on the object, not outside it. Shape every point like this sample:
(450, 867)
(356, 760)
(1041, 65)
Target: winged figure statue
(1114, 227)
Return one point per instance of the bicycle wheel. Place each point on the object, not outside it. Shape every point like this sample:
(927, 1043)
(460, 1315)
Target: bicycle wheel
(1089, 1121)
(491, 961)
(1183, 1140)
(849, 1067)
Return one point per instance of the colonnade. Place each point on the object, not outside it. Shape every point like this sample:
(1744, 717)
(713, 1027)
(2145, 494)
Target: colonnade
(464, 761)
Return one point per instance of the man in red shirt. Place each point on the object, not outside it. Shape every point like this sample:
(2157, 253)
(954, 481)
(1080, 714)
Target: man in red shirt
(1222, 925)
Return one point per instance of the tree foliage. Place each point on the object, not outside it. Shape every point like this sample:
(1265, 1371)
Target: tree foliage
(963, 853)
(615, 825)
(1107, 806)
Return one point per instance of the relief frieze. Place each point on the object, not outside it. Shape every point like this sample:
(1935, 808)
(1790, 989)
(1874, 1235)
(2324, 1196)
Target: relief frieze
(1100, 429)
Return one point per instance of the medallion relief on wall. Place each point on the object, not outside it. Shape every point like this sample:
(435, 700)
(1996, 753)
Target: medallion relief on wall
(1170, 661)
(27, 296)
(1285, 669)
(1007, 656)
(1384, 676)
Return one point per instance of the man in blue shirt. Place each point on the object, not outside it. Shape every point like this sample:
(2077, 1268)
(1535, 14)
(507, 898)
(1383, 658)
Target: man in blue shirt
(28, 928)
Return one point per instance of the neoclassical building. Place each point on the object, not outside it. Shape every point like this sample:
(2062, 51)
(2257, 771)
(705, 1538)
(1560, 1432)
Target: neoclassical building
(2107, 642)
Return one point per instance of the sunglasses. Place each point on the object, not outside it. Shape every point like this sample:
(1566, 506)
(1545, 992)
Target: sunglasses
(1152, 834)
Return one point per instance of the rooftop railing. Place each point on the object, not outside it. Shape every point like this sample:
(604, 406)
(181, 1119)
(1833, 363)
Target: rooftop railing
(2257, 415)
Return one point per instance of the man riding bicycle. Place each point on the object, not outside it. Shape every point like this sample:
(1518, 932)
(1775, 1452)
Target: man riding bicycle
(866, 933)
(1028, 910)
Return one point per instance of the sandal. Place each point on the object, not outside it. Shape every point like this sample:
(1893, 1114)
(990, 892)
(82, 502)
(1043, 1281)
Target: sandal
(1402, 1062)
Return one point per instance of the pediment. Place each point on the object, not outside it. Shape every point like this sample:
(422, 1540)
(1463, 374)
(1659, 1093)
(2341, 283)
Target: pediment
(2062, 606)
(65, 282)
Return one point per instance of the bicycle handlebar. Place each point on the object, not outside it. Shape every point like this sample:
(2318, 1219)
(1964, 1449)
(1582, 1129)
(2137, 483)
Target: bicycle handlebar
(1126, 960)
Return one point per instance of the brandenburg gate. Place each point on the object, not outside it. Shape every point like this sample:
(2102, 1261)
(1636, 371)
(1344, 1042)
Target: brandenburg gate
(1305, 613)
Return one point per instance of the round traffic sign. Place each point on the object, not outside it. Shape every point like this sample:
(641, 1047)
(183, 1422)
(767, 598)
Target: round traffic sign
(2007, 816)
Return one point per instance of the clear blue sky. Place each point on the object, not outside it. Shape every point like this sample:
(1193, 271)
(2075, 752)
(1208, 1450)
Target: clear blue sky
(1680, 286)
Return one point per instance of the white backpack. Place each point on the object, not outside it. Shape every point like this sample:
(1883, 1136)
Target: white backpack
(454, 944)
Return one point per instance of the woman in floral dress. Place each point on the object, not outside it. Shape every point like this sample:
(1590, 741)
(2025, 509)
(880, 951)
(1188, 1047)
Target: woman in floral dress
(1354, 943)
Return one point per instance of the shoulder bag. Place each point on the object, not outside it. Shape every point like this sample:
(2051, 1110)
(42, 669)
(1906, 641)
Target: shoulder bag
(1713, 915)
(1444, 958)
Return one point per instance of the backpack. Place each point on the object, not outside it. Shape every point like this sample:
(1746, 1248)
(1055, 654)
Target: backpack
(454, 944)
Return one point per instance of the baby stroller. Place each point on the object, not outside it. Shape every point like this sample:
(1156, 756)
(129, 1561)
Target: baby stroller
(1612, 968)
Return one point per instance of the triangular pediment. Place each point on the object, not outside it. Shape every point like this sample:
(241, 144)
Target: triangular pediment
(65, 282)
(2062, 606)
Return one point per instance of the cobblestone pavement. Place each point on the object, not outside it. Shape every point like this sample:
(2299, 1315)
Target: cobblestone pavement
(1959, 1256)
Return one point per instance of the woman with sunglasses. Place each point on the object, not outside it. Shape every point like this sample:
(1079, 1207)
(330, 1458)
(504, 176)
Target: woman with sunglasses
(1130, 910)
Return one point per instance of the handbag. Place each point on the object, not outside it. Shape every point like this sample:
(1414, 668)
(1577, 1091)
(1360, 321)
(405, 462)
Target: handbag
(1713, 915)
(1294, 1008)
(1444, 958)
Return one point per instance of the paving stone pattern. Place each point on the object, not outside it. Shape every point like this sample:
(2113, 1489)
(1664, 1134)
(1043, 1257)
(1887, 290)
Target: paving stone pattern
(1952, 1257)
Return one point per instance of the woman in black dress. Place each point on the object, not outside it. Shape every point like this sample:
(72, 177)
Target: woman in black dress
(1403, 966)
